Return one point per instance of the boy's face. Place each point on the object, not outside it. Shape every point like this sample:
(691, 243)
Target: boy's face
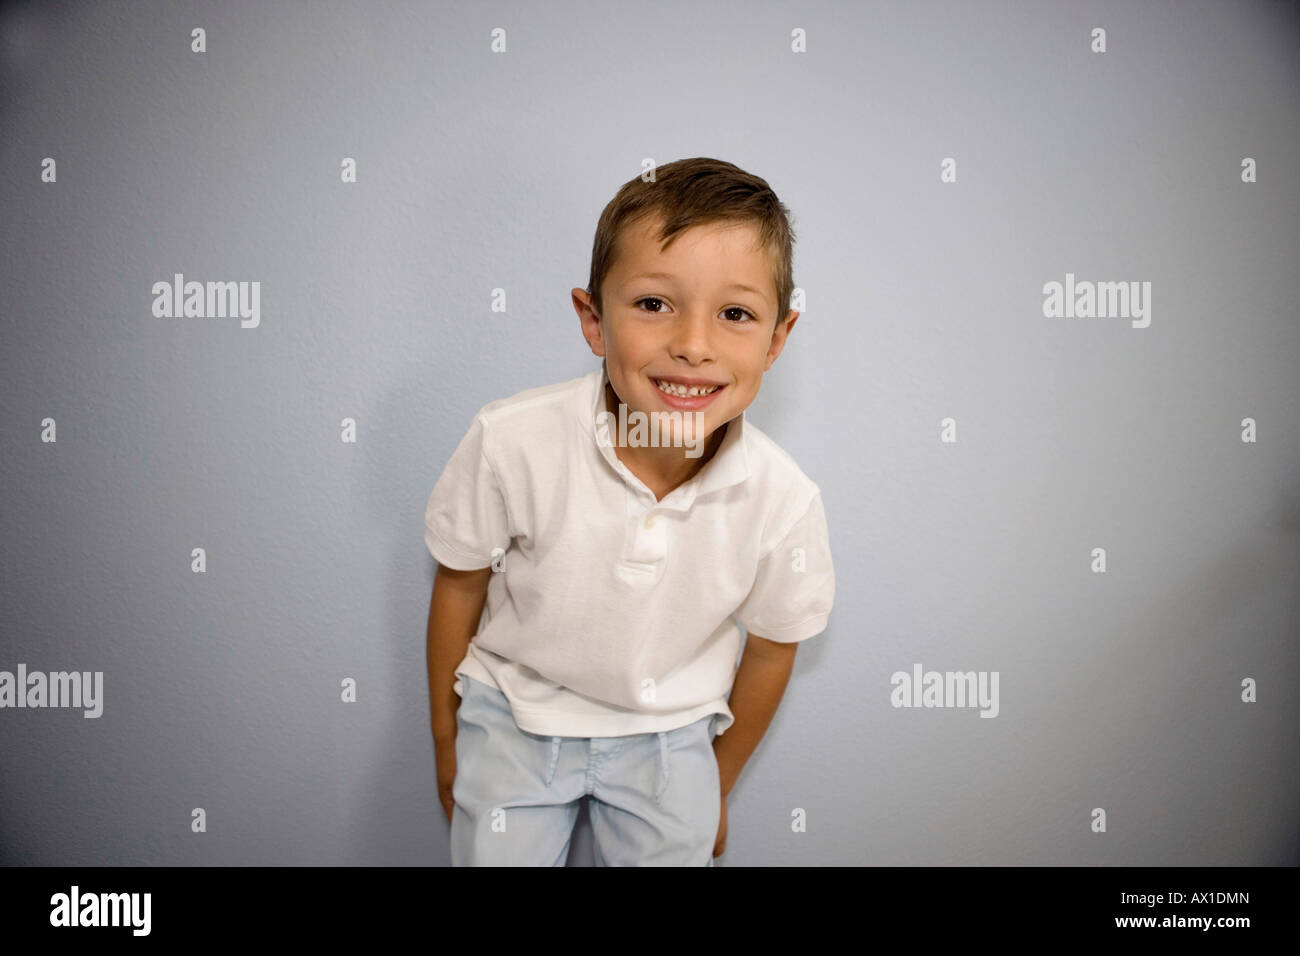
(682, 315)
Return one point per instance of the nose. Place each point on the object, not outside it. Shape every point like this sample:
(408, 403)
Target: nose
(691, 338)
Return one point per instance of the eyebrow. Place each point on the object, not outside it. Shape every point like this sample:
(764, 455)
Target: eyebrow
(665, 275)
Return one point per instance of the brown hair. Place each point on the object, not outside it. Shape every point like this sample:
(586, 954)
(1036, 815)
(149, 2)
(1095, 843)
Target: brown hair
(692, 192)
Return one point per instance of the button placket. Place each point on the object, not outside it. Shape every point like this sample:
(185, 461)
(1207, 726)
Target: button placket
(651, 543)
(646, 544)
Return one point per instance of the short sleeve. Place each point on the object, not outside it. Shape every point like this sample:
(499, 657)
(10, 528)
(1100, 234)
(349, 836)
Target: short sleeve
(795, 586)
(466, 517)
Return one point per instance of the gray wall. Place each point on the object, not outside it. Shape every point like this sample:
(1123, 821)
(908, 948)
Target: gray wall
(221, 690)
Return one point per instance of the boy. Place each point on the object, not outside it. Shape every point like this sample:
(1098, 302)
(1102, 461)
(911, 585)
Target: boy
(587, 578)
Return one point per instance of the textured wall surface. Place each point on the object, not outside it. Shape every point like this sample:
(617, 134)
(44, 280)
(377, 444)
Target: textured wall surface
(1101, 510)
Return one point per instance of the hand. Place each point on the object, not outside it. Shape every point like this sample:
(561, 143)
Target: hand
(720, 843)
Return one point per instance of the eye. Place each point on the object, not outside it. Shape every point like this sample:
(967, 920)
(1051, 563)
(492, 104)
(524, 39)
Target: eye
(747, 316)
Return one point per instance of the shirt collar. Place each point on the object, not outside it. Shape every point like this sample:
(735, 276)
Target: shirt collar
(729, 465)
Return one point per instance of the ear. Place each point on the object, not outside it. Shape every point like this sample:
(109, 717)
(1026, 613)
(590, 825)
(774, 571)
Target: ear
(779, 335)
(592, 327)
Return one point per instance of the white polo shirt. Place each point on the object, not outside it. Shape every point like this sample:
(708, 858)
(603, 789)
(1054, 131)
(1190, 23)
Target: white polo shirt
(611, 612)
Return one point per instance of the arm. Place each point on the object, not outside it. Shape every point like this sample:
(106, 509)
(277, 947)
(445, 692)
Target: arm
(454, 611)
(764, 670)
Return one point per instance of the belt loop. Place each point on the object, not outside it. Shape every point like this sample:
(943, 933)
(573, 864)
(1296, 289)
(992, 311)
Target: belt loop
(555, 759)
(663, 765)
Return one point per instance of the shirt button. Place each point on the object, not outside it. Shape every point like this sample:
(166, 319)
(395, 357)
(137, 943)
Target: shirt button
(650, 521)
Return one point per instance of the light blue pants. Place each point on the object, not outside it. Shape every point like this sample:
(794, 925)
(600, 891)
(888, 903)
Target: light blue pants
(655, 798)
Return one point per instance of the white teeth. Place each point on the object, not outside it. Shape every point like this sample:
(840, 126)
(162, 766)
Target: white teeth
(681, 391)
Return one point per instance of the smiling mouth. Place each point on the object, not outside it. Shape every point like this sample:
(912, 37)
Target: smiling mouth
(685, 391)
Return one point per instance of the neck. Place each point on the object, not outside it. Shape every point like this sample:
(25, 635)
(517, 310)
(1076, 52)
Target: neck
(662, 469)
